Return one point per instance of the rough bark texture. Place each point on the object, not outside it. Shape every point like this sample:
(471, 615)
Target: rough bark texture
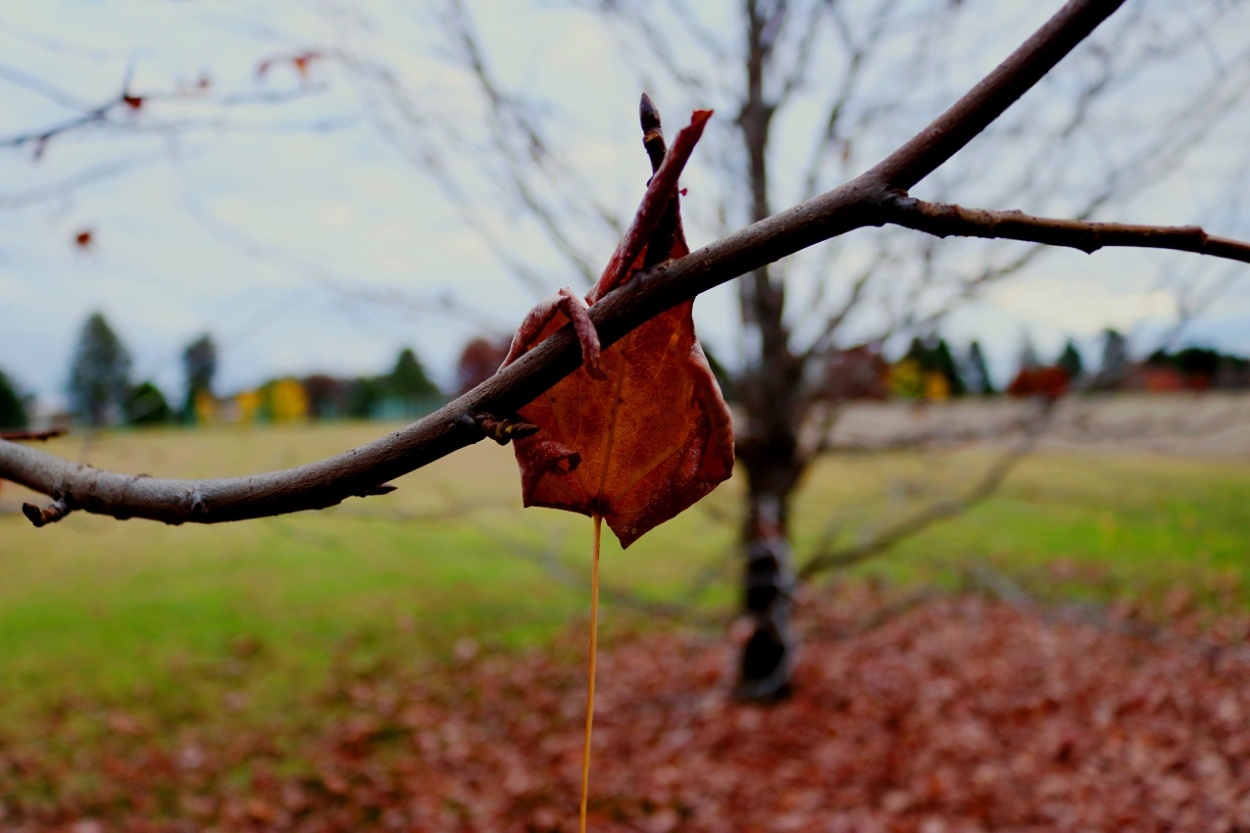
(768, 449)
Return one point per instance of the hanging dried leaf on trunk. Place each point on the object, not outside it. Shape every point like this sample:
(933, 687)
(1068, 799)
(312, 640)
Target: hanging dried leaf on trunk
(654, 435)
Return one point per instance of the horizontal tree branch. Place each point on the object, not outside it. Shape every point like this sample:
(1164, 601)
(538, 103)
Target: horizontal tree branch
(363, 470)
(946, 220)
(865, 200)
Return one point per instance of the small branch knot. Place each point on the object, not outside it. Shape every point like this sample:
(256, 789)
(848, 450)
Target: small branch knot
(54, 511)
(504, 431)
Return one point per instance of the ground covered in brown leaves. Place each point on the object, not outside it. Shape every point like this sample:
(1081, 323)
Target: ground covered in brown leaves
(951, 714)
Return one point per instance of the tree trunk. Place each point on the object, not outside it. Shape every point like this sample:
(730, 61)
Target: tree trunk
(767, 660)
(768, 448)
(769, 454)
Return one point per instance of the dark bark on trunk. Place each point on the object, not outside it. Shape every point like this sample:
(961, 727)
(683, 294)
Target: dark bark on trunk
(767, 660)
(768, 449)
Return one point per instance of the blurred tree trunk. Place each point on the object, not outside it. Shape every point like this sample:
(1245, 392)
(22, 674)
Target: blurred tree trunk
(768, 448)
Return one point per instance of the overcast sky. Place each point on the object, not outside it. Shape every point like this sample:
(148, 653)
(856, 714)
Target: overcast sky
(304, 239)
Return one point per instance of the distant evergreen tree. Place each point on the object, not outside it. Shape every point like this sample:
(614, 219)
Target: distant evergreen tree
(148, 406)
(409, 379)
(1198, 361)
(944, 363)
(406, 392)
(12, 410)
(1202, 366)
(1070, 361)
(976, 373)
(917, 352)
(99, 376)
(1113, 371)
(933, 355)
(199, 365)
(364, 396)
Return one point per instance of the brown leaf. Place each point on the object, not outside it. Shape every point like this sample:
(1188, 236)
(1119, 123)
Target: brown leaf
(655, 436)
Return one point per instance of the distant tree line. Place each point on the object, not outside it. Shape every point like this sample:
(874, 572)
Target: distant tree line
(931, 370)
(101, 391)
(407, 392)
(1194, 368)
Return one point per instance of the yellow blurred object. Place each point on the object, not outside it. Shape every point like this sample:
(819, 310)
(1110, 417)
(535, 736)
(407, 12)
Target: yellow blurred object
(247, 404)
(937, 388)
(205, 408)
(905, 379)
(287, 401)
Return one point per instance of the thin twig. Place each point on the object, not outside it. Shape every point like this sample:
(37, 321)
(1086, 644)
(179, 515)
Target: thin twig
(937, 511)
(946, 220)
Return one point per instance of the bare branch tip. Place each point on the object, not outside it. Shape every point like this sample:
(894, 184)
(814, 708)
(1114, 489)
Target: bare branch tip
(648, 115)
(42, 517)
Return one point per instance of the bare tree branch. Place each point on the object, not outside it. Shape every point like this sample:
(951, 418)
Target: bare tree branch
(935, 512)
(989, 99)
(946, 220)
(866, 200)
(37, 85)
(123, 109)
(69, 185)
(123, 101)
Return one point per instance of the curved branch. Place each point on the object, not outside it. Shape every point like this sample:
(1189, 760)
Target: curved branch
(362, 471)
(945, 220)
(950, 132)
(366, 470)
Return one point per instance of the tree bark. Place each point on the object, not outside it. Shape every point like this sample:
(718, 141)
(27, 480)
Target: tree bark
(767, 661)
(768, 450)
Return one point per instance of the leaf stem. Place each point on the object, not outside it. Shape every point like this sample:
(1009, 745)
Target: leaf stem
(590, 671)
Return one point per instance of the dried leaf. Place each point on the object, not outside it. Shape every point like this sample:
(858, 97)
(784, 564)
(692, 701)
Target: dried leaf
(655, 436)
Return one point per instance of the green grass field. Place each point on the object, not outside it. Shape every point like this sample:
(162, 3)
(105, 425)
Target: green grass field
(248, 617)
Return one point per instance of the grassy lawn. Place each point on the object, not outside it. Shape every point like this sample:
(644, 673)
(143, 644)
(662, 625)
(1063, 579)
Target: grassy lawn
(1096, 525)
(248, 617)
